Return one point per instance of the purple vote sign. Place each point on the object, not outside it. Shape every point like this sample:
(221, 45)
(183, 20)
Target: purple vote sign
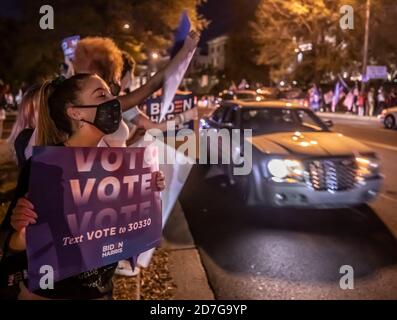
(95, 206)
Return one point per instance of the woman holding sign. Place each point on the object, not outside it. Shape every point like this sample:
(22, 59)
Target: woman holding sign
(76, 112)
(79, 111)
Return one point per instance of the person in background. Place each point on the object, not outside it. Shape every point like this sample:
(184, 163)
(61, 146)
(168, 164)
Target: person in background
(328, 100)
(127, 74)
(392, 101)
(314, 98)
(23, 128)
(356, 94)
(371, 102)
(2, 119)
(10, 99)
(3, 105)
(361, 103)
(381, 101)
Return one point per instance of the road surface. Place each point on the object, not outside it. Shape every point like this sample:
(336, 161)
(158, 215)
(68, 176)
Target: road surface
(260, 253)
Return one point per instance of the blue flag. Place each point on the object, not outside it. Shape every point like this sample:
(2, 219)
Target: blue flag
(174, 75)
(181, 34)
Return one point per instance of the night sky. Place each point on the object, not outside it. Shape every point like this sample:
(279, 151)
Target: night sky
(221, 13)
(223, 16)
(9, 8)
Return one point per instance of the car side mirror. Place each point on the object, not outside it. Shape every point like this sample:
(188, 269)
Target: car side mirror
(329, 123)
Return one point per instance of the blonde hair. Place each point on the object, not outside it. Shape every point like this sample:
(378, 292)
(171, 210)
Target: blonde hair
(47, 132)
(101, 56)
(27, 112)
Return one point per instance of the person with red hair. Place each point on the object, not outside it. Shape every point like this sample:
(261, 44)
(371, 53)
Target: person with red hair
(101, 56)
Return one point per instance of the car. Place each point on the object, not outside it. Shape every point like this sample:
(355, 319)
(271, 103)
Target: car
(388, 118)
(297, 161)
(240, 95)
(295, 96)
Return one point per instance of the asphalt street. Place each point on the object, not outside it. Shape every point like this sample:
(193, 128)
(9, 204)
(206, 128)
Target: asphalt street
(262, 253)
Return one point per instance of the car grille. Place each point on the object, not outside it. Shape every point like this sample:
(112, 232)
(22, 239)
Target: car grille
(332, 175)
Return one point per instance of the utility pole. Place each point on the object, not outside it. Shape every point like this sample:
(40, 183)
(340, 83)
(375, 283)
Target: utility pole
(366, 40)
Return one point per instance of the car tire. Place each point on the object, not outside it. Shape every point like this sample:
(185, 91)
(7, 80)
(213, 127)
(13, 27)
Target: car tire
(390, 122)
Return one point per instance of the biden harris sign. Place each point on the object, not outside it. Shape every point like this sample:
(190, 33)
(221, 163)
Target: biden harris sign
(95, 206)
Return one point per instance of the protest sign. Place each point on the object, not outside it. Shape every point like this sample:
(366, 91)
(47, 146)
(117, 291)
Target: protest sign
(69, 46)
(376, 72)
(95, 206)
(180, 103)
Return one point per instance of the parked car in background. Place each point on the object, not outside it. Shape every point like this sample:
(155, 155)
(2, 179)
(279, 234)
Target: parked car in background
(240, 95)
(388, 118)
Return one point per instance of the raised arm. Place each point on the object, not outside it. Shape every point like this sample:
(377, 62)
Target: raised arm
(139, 95)
(143, 121)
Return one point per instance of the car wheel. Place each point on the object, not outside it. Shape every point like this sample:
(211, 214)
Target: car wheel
(390, 122)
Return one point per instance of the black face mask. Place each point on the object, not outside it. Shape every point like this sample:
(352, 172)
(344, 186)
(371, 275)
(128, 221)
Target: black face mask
(107, 117)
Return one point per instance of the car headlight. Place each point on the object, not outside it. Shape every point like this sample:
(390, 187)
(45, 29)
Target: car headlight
(286, 169)
(368, 167)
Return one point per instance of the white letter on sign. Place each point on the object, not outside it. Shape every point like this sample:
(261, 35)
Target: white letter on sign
(78, 196)
(115, 186)
(84, 164)
(105, 159)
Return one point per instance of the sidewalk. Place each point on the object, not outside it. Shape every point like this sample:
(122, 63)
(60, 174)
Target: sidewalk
(175, 271)
(347, 116)
(185, 266)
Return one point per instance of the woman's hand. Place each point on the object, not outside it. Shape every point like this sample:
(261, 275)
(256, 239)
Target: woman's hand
(191, 41)
(23, 214)
(160, 180)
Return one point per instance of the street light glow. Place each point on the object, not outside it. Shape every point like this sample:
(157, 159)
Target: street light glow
(126, 26)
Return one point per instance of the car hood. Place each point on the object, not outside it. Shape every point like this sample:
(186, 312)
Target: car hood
(317, 144)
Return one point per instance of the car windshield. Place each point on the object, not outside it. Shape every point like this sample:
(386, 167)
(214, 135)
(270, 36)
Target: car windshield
(272, 120)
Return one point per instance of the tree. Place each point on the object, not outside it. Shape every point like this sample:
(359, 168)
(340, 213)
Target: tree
(7, 46)
(37, 53)
(280, 27)
(241, 50)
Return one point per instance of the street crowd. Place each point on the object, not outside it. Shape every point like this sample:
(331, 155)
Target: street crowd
(368, 102)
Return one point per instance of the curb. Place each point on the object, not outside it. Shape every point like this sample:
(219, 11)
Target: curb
(185, 265)
(347, 116)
